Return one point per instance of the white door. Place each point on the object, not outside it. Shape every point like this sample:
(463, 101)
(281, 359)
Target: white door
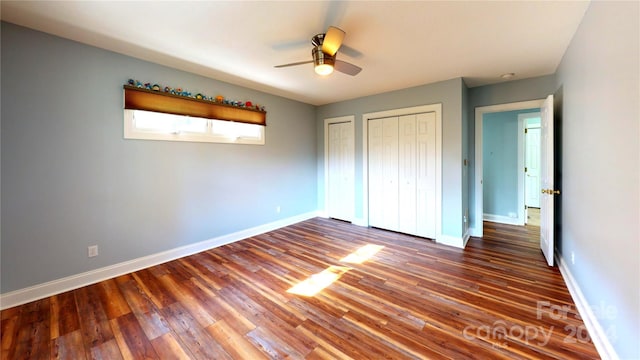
(376, 188)
(340, 174)
(407, 221)
(402, 173)
(390, 173)
(426, 175)
(546, 170)
(532, 164)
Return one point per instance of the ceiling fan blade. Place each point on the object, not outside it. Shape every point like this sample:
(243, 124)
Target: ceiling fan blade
(347, 68)
(294, 64)
(332, 40)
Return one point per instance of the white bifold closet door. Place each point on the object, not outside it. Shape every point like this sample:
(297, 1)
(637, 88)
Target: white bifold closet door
(402, 164)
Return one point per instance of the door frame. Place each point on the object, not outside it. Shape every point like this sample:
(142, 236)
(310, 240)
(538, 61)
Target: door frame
(477, 221)
(336, 120)
(437, 108)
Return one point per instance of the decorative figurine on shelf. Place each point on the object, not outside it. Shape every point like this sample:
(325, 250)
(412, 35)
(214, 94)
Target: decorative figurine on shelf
(167, 89)
(219, 98)
(139, 84)
(131, 82)
(155, 87)
(248, 104)
(147, 86)
(199, 96)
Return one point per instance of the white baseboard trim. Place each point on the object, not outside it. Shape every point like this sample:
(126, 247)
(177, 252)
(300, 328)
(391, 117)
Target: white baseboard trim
(465, 239)
(36, 292)
(475, 232)
(502, 219)
(596, 332)
(454, 241)
(360, 222)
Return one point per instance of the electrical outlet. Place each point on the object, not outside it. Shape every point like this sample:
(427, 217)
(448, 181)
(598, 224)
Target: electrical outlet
(278, 209)
(92, 251)
(573, 258)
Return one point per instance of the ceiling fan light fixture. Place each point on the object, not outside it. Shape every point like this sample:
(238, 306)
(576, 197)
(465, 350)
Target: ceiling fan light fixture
(322, 63)
(323, 69)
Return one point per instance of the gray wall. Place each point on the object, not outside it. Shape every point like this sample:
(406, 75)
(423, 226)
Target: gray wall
(449, 93)
(504, 93)
(599, 82)
(70, 180)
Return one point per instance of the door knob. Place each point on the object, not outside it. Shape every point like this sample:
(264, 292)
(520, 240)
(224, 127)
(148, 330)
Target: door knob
(551, 192)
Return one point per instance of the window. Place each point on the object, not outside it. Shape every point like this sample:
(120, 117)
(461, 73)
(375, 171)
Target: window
(149, 125)
(157, 115)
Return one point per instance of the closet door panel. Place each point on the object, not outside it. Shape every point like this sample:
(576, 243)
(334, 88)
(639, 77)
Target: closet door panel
(376, 178)
(390, 173)
(407, 174)
(426, 175)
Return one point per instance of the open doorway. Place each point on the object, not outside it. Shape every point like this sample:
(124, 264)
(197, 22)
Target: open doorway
(501, 154)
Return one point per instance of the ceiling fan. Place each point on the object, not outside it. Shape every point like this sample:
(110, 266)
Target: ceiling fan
(325, 47)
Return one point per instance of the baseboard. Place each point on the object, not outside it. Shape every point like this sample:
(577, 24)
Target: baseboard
(465, 238)
(596, 332)
(502, 219)
(36, 292)
(360, 222)
(454, 241)
(475, 232)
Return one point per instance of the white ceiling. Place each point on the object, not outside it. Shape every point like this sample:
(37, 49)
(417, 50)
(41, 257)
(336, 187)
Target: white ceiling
(398, 44)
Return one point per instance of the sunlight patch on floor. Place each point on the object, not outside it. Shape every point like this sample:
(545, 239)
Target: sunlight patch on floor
(363, 254)
(317, 282)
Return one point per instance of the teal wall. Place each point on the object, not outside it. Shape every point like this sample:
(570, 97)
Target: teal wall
(70, 180)
(500, 161)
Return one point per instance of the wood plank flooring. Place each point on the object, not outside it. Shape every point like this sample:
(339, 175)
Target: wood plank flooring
(412, 299)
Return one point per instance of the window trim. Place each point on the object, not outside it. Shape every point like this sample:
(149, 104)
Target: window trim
(131, 132)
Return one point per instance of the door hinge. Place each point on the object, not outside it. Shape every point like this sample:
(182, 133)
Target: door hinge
(525, 169)
(526, 131)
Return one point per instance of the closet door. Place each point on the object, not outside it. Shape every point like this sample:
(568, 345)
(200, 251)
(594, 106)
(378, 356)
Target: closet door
(390, 173)
(340, 171)
(426, 175)
(407, 216)
(375, 173)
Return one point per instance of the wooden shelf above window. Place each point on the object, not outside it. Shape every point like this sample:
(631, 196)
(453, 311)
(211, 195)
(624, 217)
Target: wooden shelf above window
(149, 100)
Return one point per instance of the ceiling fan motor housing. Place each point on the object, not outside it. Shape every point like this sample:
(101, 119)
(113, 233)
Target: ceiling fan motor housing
(320, 57)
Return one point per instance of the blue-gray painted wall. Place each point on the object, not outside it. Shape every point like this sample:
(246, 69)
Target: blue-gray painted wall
(513, 91)
(598, 84)
(70, 180)
(500, 161)
(449, 93)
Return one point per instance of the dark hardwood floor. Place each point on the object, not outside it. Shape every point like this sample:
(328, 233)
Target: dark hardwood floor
(412, 299)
